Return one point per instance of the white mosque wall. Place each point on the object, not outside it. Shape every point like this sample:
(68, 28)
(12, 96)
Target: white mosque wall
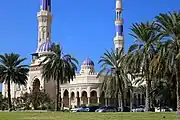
(33, 75)
(86, 79)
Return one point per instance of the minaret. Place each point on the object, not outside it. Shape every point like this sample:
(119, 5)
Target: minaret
(35, 80)
(44, 26)
(119, 38)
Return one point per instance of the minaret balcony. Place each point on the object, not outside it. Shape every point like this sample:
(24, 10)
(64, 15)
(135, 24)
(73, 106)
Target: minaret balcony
(119, 22)
(44, 13)
(119, 9)
(117, 39)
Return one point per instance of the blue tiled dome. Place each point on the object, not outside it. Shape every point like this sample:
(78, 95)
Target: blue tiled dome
(46, 46)
(88, 61)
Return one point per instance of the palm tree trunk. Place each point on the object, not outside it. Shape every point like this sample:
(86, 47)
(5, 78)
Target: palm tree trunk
(147, 95)
(9, 94)
(57, 96)
(117, 99)
(122, 102)
(160, 104)
(178, 87)
(131, 100)
(119, 86)
(122, 98)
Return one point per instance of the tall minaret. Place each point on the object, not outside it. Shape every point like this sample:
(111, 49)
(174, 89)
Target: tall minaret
(44, 26)
(35, 80)
(119, 38)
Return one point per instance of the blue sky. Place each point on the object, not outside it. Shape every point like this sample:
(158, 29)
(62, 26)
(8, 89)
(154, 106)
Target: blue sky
(84, 28)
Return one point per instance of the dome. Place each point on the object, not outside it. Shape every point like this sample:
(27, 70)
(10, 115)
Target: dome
(88, 61)
(45, 47)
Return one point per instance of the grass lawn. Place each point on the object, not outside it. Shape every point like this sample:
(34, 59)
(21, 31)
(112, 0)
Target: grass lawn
(86, 116)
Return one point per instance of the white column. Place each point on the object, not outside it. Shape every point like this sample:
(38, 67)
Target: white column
(98, 100)
(98, 95)
(80, 100)
(88, 100)
(62, 103)
(119, 101)
(106, 101)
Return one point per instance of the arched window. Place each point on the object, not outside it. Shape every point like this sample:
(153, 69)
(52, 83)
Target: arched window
(36, 85)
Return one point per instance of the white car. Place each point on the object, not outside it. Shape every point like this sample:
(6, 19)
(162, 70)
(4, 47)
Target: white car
(163, 109)
(140, 108)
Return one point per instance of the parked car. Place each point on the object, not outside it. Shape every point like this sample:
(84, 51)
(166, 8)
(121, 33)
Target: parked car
(140, 108)
(106, 109)
(92, 108)
(80, 109)
(163, 109)
(126, 109)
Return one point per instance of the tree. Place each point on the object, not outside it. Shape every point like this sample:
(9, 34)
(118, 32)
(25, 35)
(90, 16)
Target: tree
(58, 67)
(163, 92)
(141, 53)
(116, 80)
(3, 103)
(38, 100)
(11, 70)
(170, 24)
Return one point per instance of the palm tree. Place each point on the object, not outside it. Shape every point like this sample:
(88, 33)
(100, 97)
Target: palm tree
(58, 67)
(117, 80)
(141, 53)
(11, 70)
(170, 24)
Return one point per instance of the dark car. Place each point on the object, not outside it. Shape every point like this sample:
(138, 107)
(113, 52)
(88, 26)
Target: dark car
(126, 109)
(92, 108)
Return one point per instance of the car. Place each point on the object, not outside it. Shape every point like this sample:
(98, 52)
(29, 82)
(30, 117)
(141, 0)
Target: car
(92, 108)
(106, 109)
(140, 108)
(80, 109)
(163, 109)
(126, 109)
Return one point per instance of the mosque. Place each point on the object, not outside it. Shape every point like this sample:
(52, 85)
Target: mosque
(85, 88)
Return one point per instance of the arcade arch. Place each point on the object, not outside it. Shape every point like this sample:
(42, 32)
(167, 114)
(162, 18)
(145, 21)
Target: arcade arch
(93, 97)
(84, 98)
(66, 98)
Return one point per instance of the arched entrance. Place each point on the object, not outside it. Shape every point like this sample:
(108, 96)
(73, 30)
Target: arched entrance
(36, 85)
(93, 97)
(84, 98)
(102, 98)
(66, 99)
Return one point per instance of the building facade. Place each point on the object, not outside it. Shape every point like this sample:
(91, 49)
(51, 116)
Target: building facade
(85, 89)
